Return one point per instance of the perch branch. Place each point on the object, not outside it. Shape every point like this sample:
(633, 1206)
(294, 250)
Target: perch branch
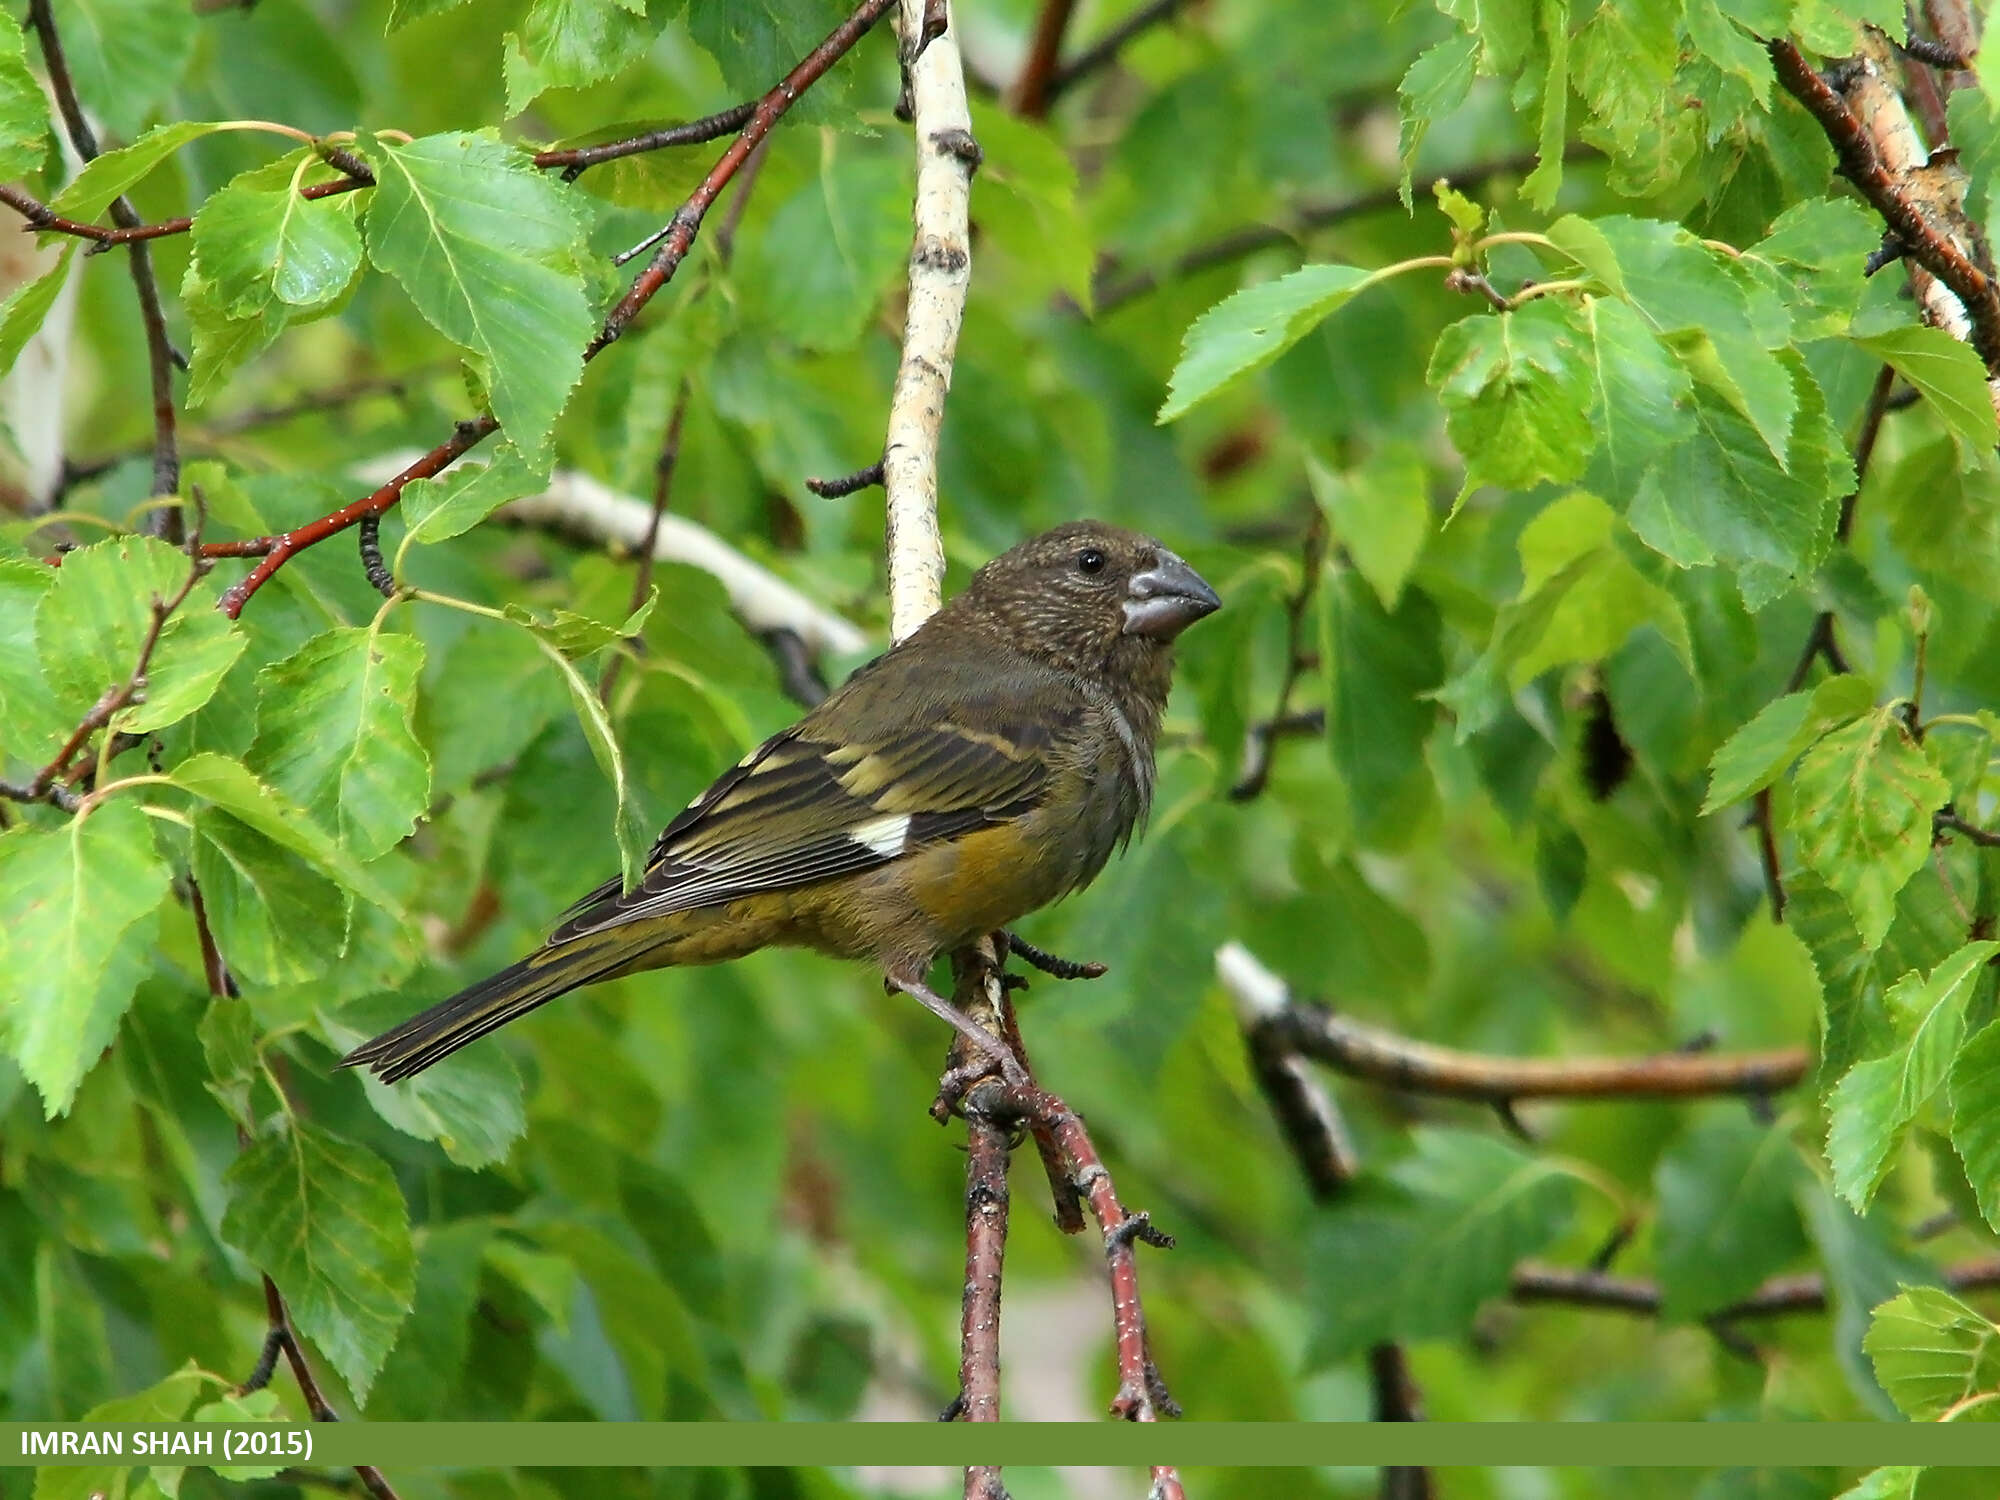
(940, 272)
(1383, 1057)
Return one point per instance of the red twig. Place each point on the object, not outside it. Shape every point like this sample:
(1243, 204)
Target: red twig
(1031, 89)
(280, 549)
(677, 238)
(1106, 49)
(680, 233)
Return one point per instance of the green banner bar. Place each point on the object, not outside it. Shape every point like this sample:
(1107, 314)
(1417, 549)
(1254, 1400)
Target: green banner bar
(1190, 1444)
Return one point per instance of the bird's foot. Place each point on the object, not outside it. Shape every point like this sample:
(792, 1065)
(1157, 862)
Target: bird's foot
(1050, 963)
(995, 1052)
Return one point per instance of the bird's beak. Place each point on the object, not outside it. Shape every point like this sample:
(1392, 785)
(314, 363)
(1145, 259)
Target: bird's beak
(1167, 598)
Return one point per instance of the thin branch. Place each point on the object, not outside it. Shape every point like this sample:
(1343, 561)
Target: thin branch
(679, 237)
(940, 274)
(1533, 1282)
(357, 175)
(1317, 1137)
(576, 160)
(1031, 94)
(986, 1206)
(160, 358)
(1106, 48)
(1370, 1052)
(1951, 822)
(283, 1339)
(1114, 290)
(847, 484)
(1864, 444)
(649, 545)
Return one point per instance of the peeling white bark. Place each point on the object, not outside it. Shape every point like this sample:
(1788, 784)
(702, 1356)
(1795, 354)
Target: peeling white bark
(940, 271)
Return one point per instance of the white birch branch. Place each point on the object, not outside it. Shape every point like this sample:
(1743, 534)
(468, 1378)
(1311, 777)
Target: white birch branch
(1937, 190)
(940, 271)
(579, 506)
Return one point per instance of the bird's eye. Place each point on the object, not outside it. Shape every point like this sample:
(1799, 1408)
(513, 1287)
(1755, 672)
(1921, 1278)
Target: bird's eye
(1090, 560)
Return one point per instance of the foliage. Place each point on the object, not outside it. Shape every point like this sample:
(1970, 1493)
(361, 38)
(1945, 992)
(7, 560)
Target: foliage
(1576, 434)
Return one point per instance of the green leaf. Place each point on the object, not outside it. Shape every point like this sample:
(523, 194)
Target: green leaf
(1975, 1115)
(36, 727)
(1871, 1107)
(125, 56)
(278, 920)
(1687, 297)
(1436, 84)
(222, 343)
(1412, 1257)
(1516, 388)
(570, 43)
(1379, 512)
(1862, 804)
(1380, 711)
(229, 785)
(402, 12)
(1643, 395)
(1727, 1216)
(1818, 244)
(633, 839)
(1758, 753)
(818, 271)
(494, 694)
(230, 1045)
(76, 910)
(90, 192)
(334, 735)
(24, 108)
(27, 307)
(490, 251)
(258, 1406)
(101, 611)
(1931, 1352)
(577, 636)
(437, 509)
(470, 1104)
(1540, 186)
(166, 1401)
(1951, 378)
(755, 42)
(1248, 330)
(1722, 497)
(257, 241)
(325, 1220)
(421, 1378)
(1028, 211)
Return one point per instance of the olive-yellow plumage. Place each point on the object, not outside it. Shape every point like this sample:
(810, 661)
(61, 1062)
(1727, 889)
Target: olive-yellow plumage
(984, 767)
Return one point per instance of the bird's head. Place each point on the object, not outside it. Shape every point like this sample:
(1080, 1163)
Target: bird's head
(1087, 595)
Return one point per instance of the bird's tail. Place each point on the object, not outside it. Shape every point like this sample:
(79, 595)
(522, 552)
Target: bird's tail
(486, 1006)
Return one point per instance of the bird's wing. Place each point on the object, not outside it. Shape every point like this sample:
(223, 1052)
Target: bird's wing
(816, 802)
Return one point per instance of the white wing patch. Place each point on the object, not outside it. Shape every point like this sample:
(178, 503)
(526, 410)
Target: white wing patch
(883, 836)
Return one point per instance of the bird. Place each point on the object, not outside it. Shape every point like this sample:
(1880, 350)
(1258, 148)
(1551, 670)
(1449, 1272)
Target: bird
(985, 766)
